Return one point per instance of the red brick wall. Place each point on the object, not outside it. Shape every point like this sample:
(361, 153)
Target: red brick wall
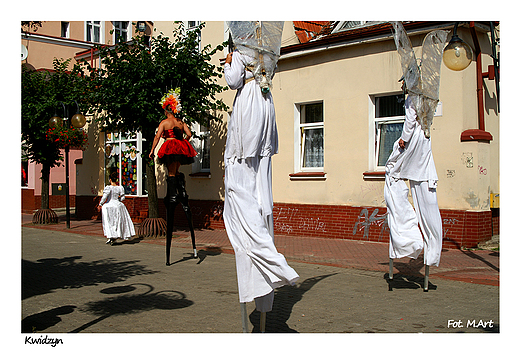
(31, 202)
(461, 228)
(28, 201)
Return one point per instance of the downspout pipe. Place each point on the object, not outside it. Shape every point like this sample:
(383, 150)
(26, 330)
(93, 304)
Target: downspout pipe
(479, 134)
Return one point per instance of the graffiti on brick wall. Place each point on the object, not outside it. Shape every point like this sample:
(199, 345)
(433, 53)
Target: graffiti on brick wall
(217, 211)
(448, 223)
(290, 219)
(364, 222)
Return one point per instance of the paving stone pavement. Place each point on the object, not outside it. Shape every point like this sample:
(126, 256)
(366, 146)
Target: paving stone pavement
(72, 282)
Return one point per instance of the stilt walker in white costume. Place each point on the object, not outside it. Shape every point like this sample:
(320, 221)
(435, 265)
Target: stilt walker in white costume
(412, 158)
(251, 141)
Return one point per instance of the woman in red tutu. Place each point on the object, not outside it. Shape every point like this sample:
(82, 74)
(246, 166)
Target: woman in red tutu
(175, 150)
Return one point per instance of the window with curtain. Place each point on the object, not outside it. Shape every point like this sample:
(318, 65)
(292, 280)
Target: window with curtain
(93, 31)
(120, 31)
(65, 29)
(190, 26)
(122, 155)
(389, 119)
(201, 143)
(311, 137)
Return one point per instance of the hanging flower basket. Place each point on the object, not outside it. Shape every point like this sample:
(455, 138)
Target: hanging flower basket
(64, 136)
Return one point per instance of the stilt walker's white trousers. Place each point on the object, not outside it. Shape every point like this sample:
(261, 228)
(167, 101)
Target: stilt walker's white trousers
(248, 217)
(405, 237)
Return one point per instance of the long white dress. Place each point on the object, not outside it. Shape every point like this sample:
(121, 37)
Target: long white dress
(414, 163)
(248, 209)
(115, 217)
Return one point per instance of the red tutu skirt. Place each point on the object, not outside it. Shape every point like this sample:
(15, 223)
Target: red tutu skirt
(174, 150)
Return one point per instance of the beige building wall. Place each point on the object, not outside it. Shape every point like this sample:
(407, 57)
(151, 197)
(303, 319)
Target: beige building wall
(346, 79)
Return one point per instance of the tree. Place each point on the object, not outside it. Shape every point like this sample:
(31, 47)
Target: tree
(125, 93)
(43, 93)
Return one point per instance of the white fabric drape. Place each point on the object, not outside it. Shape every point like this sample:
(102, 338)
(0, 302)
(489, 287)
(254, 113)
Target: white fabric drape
(115, 217)
(252, 127)
(248, 208)
(414, 163)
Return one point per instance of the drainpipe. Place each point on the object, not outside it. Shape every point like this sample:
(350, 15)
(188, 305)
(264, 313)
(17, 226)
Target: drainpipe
(479, 134)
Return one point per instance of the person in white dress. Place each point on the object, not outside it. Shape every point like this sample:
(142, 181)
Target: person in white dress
(252, 139)
(412, 160)
(115, 217)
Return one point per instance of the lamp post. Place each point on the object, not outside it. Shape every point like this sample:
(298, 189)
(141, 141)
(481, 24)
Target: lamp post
(78, 121)
(457, 55)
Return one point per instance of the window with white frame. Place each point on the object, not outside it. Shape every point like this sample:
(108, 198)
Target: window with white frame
(65, 29)
(201, 143)
(310, 137)
(192, 25)
(389, 119)
(120, 31)
(122, 155)
(93, 32)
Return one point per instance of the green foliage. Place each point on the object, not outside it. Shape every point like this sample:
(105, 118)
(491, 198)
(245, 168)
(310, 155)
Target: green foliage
(127, 89)
(44, 93)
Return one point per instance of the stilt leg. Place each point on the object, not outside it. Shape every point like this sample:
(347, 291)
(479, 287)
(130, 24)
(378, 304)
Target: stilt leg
(262, 321)
(170, 201)
(170, 209)
(426, 275)
(391, 269)
(187, 211)
(243, 311)
(186, 207)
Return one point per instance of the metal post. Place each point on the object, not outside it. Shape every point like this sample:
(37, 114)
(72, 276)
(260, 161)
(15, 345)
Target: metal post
(263, 316)
(426, 275)
(243, 310)
(67, 202)
(391, 269)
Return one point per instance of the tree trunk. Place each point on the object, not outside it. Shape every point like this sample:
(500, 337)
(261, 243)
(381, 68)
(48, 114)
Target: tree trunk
(152, 226)
(45, 215)
(46, 172)
(151, 184)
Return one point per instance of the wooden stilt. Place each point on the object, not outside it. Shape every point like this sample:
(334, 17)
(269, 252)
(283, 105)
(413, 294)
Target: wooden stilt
(243, 310)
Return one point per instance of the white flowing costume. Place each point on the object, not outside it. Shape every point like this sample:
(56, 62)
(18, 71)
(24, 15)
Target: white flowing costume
(415, 163)
(248, 209)
(115, 217)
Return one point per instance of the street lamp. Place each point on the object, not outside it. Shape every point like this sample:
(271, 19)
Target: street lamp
(457, 55)
(78, 121)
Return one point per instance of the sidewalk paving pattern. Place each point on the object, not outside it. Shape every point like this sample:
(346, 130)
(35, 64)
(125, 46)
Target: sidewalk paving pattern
(73, 282)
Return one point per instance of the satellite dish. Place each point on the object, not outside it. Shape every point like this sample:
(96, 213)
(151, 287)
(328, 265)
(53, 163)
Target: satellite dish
(24, 52)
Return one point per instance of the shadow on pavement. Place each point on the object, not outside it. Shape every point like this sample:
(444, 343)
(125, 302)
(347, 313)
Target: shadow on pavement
(409, 275)
(284, 300)
(124, 303)
(201, 255)
(46, 275)
(45, 319)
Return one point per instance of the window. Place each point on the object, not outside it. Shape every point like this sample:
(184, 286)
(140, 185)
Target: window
(310, 137)
(122, 155)
(93, 31)
(120, 31)
(192, 25)
(65, 29)
(389, 119)
(201, 143)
